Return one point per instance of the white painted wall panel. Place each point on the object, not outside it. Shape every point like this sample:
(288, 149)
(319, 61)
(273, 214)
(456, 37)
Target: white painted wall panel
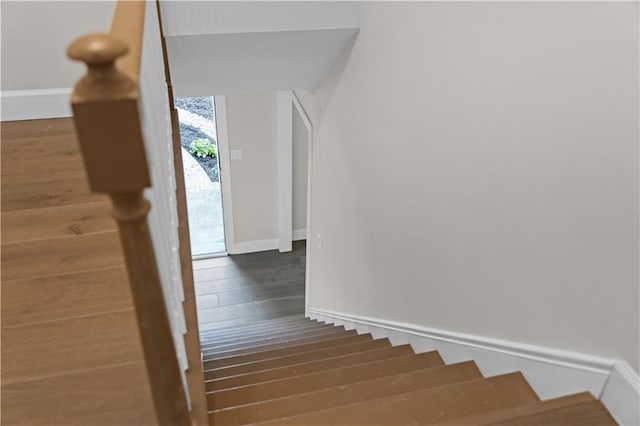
(227, 17)
(300, 160)
(476, 170)
(254, 179)
(35, 37)
(253, 62)
(163, 216)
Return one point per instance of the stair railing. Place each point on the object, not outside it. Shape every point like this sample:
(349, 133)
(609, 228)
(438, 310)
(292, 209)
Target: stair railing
(107, 114)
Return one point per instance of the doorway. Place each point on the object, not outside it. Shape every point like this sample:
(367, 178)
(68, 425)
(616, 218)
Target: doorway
(199, 142)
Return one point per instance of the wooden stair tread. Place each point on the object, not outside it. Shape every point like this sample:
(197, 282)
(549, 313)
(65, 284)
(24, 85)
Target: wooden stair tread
(426, 406)
(284, 338)
(309, 367)
(291, 350)
(347, 394)
(510, 413)
(254, 337)
(347, 347)
(258, 325)
(321, 379)
(591, 413)
(248, 350)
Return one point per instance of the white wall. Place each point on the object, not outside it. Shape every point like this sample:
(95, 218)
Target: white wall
(476, 170)
(254, 180)
(223, 64)
(227, 17)
(35, 36)
(300, 160)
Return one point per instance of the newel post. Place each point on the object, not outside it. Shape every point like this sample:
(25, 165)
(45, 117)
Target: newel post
(105, 106)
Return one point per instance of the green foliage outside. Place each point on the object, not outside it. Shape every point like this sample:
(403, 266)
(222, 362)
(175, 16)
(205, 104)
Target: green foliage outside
(203, 148)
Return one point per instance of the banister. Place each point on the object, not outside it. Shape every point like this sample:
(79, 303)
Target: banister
(107, 117)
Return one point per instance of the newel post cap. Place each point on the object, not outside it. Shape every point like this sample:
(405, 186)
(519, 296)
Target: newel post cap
(97, 49)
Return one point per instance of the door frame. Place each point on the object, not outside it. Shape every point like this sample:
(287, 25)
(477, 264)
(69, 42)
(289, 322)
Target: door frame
(224, 168)
(309, 126)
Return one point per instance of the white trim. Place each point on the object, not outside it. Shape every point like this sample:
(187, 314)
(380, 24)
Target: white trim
(224, 164)
(35, 104)
(551, 372)
(621, 394)
(299, 234)
(254, 246)
(307, 123)
(284, 142)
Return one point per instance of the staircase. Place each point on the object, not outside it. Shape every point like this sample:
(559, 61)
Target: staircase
(298, 371)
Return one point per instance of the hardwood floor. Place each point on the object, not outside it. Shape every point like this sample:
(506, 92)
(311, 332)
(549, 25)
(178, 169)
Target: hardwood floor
(242, 289)
(70, 346)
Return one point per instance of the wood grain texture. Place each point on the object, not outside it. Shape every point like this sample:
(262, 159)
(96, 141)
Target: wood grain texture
(425, 406)
(30, 259)
(65, 296)
(591, 413)
(41, 349)
(336, 396)
(250, 288)
(54, 222)
(291, 350)
(323, 379)
(70, 348)
(113, 395)
(309, 367)
(19, 194)
(245, 338)
(32, 161)
(511, 413)
(347, 347)
(36, 129)
(244, 349)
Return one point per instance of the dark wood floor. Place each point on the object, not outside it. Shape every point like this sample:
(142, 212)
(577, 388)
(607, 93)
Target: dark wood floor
(242, 289)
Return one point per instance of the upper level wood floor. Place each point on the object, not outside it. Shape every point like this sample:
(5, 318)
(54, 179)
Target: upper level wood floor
(71, 353)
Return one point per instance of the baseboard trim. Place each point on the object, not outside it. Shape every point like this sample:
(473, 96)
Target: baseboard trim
(253, 246)
(35, 104)
(551, 372)
(263, 245)
(621, 394)
(299, 234)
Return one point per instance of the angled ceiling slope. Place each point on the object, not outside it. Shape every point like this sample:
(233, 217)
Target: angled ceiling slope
(219, 48)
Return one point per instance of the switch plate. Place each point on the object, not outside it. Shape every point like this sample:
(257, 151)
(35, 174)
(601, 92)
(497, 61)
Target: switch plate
(236, 154)
(319, 240)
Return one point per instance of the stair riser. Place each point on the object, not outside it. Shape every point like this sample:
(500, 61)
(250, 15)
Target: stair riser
(316, 381)
(345, 348)
(213, 349)
(255, 331)
(428, 406)
(335, 397)
(243, 359)
(274, 346)
(247, 337)
(311, 367)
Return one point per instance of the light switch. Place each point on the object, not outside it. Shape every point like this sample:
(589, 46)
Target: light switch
(236, 154)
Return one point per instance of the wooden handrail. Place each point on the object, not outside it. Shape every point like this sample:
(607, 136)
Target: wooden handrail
(107, 118)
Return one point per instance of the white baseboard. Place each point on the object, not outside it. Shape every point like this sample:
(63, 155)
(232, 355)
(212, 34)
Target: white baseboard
(35, 104)
(263, 245)
(621, 394)
(299, 234)
(253, 246)
(551, 373)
